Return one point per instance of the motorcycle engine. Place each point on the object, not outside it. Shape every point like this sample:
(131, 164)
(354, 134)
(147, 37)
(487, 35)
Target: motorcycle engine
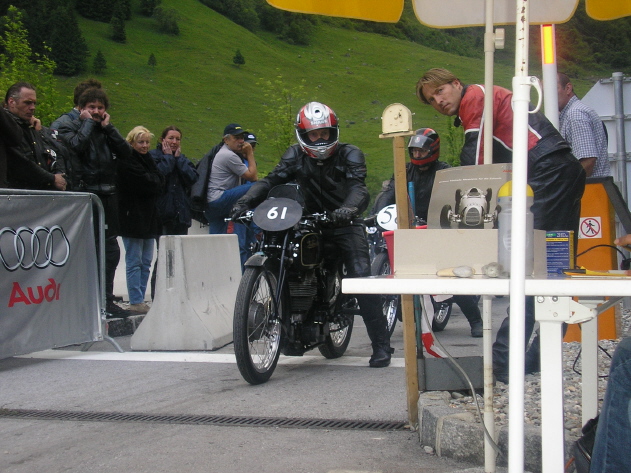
(302, 292)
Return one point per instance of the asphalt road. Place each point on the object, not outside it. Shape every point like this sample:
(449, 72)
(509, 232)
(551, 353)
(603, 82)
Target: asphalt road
(78, 385)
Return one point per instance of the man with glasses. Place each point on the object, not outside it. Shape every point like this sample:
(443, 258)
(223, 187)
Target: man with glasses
(230, 178)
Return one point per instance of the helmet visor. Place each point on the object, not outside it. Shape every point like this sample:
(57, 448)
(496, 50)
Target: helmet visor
(421, 141)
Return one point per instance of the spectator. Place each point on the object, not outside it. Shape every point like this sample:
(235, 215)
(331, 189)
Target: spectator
(332, 176)
(424, 151)
(226, 184)
(10, 135)
(251, 138)
(174, 206)
(180, 174)
(554, 174)
(37, 161)
(140, 184)
(73, 114)
(613, 434)
(583, 129)
(98, 146)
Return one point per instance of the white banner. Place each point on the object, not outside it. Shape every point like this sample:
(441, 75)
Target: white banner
(49, 291)
(461, 13)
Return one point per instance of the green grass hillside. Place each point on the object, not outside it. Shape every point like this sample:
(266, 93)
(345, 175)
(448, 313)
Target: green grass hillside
(196, 86)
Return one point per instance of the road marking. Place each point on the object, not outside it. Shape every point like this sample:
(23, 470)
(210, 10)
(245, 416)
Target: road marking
(191, 357)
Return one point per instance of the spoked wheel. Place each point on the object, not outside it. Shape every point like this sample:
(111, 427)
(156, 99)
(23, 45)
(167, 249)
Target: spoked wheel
(340, 332)
(257, 325)
(390, 303)
(442, 312)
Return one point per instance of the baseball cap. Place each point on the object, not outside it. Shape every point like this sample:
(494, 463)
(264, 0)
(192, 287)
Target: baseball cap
(250, 138)
(233, 129)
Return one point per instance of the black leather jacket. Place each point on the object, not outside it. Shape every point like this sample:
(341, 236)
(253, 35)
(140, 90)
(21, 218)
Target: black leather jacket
(33, 163)
(96, 148)
(423, 185)
(338, 181)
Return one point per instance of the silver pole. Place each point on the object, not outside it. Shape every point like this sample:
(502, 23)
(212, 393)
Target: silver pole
(621, 148)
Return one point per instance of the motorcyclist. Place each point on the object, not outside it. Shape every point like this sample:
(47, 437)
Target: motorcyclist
(332, 177)
(424, 151)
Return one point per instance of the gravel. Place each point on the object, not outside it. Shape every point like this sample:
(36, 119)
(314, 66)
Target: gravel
(571, 383)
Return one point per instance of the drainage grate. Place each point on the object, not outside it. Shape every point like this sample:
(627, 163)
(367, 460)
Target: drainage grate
(330, 424)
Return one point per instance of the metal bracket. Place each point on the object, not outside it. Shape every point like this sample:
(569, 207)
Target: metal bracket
(562, 309)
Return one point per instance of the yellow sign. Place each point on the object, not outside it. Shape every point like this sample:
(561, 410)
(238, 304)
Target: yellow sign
(608, 9)
(387, 11)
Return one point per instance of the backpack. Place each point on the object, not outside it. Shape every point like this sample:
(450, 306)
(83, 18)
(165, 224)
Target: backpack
(199, 190)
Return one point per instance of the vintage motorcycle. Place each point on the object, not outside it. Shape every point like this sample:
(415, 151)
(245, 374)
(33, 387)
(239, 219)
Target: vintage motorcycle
(289, 300)
(384, 221)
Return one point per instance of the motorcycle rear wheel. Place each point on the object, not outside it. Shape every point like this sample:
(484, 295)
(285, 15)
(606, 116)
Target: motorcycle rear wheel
(442, 312)
(257, 326)
(390, 303)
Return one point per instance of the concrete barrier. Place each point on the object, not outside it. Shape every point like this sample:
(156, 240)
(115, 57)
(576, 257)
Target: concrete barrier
(197, 281)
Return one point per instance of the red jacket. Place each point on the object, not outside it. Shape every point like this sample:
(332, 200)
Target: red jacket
(543, 137)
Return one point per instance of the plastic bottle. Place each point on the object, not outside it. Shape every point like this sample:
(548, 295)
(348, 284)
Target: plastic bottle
(505, 204)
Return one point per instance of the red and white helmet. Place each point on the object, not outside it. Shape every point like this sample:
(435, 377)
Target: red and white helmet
(425, 139)
(315, 116)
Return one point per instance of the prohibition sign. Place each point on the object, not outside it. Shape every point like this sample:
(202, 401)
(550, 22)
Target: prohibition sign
(590, 228)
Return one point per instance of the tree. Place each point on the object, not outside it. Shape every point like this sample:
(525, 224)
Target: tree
(152, 60)
(99, 10)
(19, 63)
(68, 47)
(117, 29)
(147, 7)
(99, 64)
(281, 104)
(167, 19)
(238, 58)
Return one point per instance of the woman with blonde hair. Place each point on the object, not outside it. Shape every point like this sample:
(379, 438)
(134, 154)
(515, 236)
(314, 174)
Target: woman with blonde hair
(139, 185)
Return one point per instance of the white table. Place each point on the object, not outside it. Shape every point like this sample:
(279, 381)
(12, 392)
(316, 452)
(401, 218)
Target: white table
(553, 307)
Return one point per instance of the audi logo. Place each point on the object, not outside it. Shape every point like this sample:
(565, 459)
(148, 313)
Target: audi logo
(39, 247)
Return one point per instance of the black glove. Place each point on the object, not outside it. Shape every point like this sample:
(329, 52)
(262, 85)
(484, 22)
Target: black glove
(343, 215)
(239, 209)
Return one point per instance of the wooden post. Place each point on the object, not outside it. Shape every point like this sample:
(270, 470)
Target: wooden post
(407, 300)
(397, 124)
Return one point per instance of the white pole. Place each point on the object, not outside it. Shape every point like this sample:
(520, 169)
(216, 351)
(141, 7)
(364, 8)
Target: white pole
(521, 100)
(549, 73)
(487, 341)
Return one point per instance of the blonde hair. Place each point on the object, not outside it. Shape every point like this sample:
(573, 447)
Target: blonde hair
(433, 78)
(136, 132)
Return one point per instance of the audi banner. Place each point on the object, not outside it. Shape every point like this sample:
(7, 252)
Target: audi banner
(49, 291)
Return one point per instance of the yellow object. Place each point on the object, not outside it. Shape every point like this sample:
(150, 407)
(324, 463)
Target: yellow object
(608, 9)
(547, 34)
(586, 273)
(458, 271)
(507, 190)
(387, 11)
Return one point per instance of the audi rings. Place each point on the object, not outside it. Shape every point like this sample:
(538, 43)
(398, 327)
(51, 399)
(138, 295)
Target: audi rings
(40, 252)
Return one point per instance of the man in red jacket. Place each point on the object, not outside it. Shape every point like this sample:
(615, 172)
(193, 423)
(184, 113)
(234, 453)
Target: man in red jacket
(555, 175)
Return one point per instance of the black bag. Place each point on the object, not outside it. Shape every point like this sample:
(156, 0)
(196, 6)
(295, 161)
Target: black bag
(199, 190)
(583, 446)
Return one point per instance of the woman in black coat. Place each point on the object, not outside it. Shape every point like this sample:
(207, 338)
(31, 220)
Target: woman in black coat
(139, 186)
(174, 204)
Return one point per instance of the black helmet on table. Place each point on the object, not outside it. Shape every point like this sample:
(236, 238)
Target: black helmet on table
(428, 140)
(316, 116)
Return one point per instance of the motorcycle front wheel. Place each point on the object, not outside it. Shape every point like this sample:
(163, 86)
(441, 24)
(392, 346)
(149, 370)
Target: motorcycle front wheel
(390, 303)
(339, 336)
(257, 325)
